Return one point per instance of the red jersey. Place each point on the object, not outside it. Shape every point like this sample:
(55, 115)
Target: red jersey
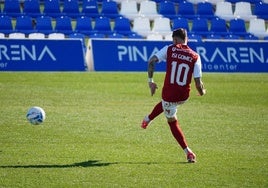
(180, 60)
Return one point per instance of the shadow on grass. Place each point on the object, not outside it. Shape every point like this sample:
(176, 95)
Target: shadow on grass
(151, 163)
(90, 163)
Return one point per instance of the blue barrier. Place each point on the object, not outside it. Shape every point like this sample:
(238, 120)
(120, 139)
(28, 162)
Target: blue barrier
(216, 56)
(42, 55)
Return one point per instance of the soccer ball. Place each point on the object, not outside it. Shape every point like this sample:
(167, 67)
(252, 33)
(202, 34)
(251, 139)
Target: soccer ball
(36, 115)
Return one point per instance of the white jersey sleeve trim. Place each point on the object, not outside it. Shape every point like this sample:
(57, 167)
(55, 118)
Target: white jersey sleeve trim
(198, 68)
(162, 54)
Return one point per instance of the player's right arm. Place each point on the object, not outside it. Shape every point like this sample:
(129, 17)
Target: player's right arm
(151, 65)
(159, 56)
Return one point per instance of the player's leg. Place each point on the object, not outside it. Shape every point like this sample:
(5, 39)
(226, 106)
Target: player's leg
(170, 110)
(155, 112)
(177, 132)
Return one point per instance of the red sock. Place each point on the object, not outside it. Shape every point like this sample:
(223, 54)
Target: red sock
(177, 133)
(158, 109)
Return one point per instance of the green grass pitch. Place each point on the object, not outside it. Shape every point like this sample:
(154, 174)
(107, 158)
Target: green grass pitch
(92, 137)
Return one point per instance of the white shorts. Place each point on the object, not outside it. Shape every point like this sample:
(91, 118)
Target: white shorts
(170, 108)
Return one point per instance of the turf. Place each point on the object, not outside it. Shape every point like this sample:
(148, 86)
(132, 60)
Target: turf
(92, 137)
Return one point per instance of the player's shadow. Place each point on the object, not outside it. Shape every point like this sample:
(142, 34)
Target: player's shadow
(151, 163)
(90, 163)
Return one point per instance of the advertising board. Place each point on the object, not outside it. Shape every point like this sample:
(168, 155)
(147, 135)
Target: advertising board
(41, 55)
(216, 56)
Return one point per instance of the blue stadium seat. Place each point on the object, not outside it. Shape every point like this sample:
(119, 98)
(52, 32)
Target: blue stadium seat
(238, 27)
(116, 36)
(6, 26)
(52, 8)
(251, 37)
(194, 37)
(12, 8)
(180, 22)
(71, 8)
(97, 35)
(90, 8)
(261, 10)
(103, 25)
(200, 27)
(232, 37)
(167, 9)
(32, 8)
(250, 1)
(84, 25)
(122, 25)
(44, 25)
(213, 36)
(109, 9)
(186, 9)
(218, 26)
(205, 10)
(134, 36)
(24, 24)
(64, 25)
(81, 37)
(78, 35)
(177, 1)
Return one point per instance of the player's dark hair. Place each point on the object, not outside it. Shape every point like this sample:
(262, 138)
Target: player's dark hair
(180, 32)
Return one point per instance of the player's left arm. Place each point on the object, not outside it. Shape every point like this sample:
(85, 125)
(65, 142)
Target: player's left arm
(197, 77)
(200, 86)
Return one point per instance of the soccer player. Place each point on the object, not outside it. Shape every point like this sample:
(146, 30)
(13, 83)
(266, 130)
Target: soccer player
(181, 64)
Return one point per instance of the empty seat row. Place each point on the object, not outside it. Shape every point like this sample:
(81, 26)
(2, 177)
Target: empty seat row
(132, 9)
(141, 26)
(204, 28)
(18, 35)
(243, 10)
(197, 1)
(153, 36)
(64, 24)
(54, 8)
